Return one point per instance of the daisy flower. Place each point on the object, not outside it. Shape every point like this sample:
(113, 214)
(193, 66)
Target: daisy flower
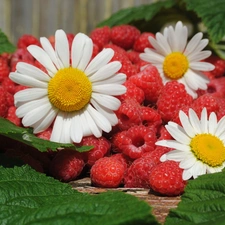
(199, 144)
(76, 94)
(178, 59)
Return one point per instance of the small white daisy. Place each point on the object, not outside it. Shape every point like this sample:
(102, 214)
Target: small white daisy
(76, 94)
(199, 144)
(178, 59)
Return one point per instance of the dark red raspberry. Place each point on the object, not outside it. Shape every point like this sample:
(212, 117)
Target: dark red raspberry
(143, 42)
(26, 40)
(4, 68)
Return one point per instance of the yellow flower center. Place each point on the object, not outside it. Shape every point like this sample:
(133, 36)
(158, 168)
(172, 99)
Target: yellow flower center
(209, 149)
(175, 65)
(70, 89)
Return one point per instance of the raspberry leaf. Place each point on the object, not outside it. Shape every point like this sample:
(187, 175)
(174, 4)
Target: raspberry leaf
(212, 15)
(202, 202)
(25, 136)
(28, 197)
(5, 45)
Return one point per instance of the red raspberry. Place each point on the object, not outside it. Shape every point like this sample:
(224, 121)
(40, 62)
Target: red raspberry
(4, 68)
(95, 50)
(124, 35)
(221, 112)
(149, 81)
(143, 42)
(157, 153)
(138, 173)
(171, 100)
(134, 56)
(128, 114)
(150, 117)
(9, 99)
(107, 172)
(219, 66)
(123, 159)
(117, 49)
(164, 134)
(46, 134)
(135, 141)
(208, 101)
(11, 116)
(3, 102)
(26, 40)
(101, 36)
(101, 148)
(67, 165)
(20, 88)
(8, 85)
(133, 92)
(166, 179)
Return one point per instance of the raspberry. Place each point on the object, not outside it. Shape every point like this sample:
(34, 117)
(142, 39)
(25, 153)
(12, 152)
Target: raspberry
(3, 102)
(9, 99)
(67, 165)
(101, 148)
(101, 36)
(133, 92)
(107, 172)
(11, 116)
(171, 100)
(117, 49)
(133, 56)
(219, 66)
(20, 88)
(150, 117)
(124, 35)
(26, 40)
(8, 85)
(123, 159)
(208, 101)
(95, 50)
(138, 173)
(166, 179)
(46, 134)
(4, 68)
(149, 81)
(164, 134)
(135, 141)
(128, 114)
(221, 111)
(143, 42)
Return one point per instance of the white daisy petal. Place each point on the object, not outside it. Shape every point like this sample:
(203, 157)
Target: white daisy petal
(193, 43)
(187, 162)
(99, 60)
(106, 71)
(220, 127)
(194, 120)
(175, 155)
(151, 56)
(203, 66)
(32, 71)
(212, 123)
(62, 47)
(85, 126)
(119, 78)
(199, 56)
(41, 56)
(160, 44)
(107, 101)
(189, 90)
(109, 89)
(173, 144)
(46, 45)
(186, 174)
(203, 121)
(76, 128)
(99, 119)
(186, 124)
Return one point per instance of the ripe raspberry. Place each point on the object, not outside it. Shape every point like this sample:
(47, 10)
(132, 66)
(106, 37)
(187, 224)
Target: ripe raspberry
(124, 35)
(11, 116)
(107, 172)
(171, 100)
(26, 40)
(3, 102)
(135, 141)
(66, 165)
(164, 134)
(133, 92)
(8, 85)
(46, 134)
(117, 49)
(128, 114)
(208, 101)
(4, 68)
(101, 148)
(9, 99)
(143, 42)
(20, 88)
(133, 56)
(123, 159)
(150, 117)
(138, 173)
(95, 50)
(219, 66)
(221, 111)
(149, 81)
(166, 179)
(101, 36)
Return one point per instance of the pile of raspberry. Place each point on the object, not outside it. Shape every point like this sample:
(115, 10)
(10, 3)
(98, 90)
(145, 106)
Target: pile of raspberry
(127, 156)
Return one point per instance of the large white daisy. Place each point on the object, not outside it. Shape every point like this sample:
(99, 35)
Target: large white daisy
(76, 93)
(199, 144)
(178, 59)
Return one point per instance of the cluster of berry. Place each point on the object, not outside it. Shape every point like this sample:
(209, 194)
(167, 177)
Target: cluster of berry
(127, 156)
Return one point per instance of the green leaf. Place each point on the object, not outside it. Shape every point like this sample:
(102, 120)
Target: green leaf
(26, 136)
(142, 12)
(5, 45)
(28, 197)
(212, 14)
(202, 203)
